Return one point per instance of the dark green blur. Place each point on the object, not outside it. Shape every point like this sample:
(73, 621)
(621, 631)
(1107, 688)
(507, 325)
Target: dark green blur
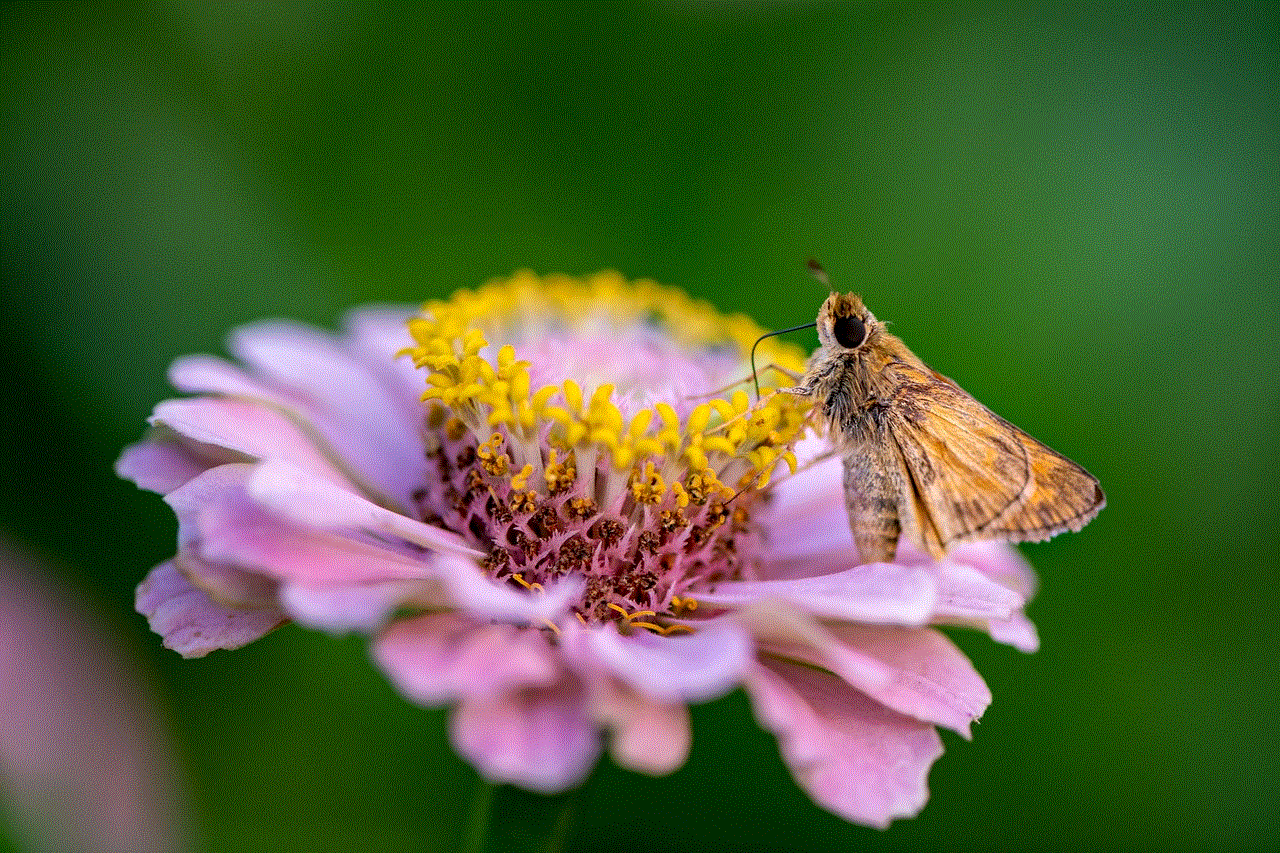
(1074, 212)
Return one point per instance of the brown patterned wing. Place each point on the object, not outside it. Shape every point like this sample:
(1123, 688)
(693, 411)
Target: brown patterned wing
(1065, 497)
(972, 475)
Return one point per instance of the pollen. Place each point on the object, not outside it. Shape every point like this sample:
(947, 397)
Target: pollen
(573, 431)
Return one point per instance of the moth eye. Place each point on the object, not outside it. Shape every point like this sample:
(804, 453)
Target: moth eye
(849, 331)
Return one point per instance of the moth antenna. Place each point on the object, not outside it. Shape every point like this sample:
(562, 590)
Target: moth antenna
(819, 273)
(755, 378)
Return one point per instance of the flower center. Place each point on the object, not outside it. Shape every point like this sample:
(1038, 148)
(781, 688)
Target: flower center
(635, 484)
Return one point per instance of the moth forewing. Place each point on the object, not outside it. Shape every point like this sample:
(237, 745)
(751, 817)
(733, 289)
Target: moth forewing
(922, 458)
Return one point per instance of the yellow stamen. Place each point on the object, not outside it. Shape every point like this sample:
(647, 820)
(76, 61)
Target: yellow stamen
(649, 487)
(596, 454)
(520, 479)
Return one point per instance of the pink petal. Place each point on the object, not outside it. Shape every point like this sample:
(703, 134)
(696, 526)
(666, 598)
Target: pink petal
(538, 738)
(967, 595)
(238, 532)
(207, 374)
(293, 494)
(226, 585)
(193, 625)
(342, 609)
(441, 657)
(376, 334)
(225, 483)
(1017, 631)
(806, 524)
(313, 364)
(645, 736)
(931, 679)
(915, 671)
(850, 753)
(676, 668)
(471, 590)
(882, 593)
(247, 428)
(218, 517)
(157, 466)
(1001, 562)
(372, 425)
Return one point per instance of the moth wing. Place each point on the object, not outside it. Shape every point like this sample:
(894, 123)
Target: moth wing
(973, 475)
(1065, 497)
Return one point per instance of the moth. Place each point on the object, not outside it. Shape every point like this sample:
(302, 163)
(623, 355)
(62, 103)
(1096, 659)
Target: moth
(923, 459)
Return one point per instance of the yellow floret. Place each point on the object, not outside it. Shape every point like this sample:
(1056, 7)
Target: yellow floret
(469, 390)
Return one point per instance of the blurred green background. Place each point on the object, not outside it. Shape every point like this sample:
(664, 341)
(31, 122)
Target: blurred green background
(1072, 211)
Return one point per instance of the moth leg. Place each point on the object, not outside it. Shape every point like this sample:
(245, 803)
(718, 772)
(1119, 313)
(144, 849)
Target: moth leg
(790, 374)
(871, 498)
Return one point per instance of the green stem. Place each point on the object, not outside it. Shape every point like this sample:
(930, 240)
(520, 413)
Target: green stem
(505, 819)
(563, 826)
(478, 825)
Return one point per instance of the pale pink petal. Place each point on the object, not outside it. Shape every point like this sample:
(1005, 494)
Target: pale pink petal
(342, 609)
(910, 554)
(854, 756)
(313, 365)
(218, 518)
(880, 593)
(190, 622)
(931, 680)
(376, 334)
(293, 494)
(373, 434)
(247, 428)
(677, 668)
(783, 630)
(1017, 631)
(365, 420)
(806, 525)
(812, 551)
(915, 671)
(1001, 562)
(238, 532)
(157, 467)
(194, 374)
(216, 485)
(967, 595)
(441, 657)
(538, 738)
(644, 735)
(472, 591)
(814, 450)
(227, 585)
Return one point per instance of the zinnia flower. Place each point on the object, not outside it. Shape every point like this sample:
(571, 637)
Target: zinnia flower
(568, 538)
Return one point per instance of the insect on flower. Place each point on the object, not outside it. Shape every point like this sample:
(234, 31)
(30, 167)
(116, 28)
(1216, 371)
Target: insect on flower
(922, 458)
(538, 526)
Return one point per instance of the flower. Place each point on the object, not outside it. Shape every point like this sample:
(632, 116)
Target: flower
(568, 535)
(84, 761)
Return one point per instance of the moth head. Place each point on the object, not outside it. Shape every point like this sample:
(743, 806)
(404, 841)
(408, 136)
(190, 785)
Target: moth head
(844, 323)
